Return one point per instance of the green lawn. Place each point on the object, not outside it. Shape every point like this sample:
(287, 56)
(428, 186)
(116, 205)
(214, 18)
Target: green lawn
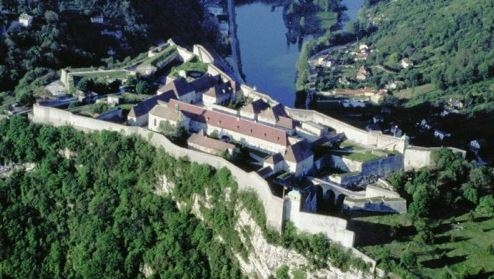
(410, 93)
(106, 74)
(362, 156)
(459, 243)
(161, 57)
(191, 66)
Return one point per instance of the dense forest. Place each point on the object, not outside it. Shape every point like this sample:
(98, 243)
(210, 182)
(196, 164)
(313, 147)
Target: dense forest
(448, 42)
(62, 34)
(87, 210)
(93, 207)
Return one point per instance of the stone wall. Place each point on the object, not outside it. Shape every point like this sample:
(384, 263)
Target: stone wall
(332, 227)
(383, 166)
(371, 139)
(417, 157)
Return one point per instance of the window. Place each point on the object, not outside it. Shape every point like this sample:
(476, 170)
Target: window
(155, 124)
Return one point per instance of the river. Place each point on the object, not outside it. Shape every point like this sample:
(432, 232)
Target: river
(268, 61)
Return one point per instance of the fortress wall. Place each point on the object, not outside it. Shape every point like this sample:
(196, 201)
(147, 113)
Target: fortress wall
(203, 54)
(252, 93)
(332, 227)
(383, 166)
(416, 158)
(371, 139)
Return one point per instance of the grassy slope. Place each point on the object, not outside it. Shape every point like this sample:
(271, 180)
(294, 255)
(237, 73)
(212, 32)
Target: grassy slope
(447, 40)
(460, 244)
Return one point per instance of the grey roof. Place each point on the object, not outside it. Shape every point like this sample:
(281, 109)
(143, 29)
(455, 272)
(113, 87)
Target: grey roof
(298, 152)
(255, 107)
(274, 159)
(144, 107)
(167, 113)
(219, 90)
(204, 82)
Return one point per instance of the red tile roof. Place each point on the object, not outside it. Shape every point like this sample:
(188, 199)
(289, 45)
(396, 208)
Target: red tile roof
(232, 123)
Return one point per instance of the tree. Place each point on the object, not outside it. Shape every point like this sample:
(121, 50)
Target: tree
(143, 87)
(282, 272)
(85, 84)
(486, 205)
(409, 259)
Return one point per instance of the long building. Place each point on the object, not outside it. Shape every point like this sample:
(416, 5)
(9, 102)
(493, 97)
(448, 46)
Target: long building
(247, 132)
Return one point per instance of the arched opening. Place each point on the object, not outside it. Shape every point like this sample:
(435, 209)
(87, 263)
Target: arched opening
(339, 202)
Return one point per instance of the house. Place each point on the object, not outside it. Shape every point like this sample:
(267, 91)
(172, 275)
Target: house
(25, 20)
(363, 48)
(324, 61)
(276, 163)
(441, 135)
(117, 34)
(98, 19)
(363, 52)
(165, 113)
(251, 110)
(219, 94)
(190, 92)
(362, 73)
(477, 144)
(209, 145)
(146, 69)
(267, 116)
(224, 28)
(299, 158)
(406, 63)
(424, 125)
(138, 115)
(182, 90)
(215, 10)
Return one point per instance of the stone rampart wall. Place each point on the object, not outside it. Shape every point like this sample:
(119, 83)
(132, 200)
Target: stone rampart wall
(332, 227)
(371, 139)
(383, 166)
(417, 157)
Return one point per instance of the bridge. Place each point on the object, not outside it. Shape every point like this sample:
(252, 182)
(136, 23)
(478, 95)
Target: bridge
(377, 200)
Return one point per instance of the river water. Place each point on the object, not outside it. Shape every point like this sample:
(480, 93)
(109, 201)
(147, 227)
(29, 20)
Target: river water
(268, 61)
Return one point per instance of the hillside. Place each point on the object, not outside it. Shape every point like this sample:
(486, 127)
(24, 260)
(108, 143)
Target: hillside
(448, 42)
(67, 33)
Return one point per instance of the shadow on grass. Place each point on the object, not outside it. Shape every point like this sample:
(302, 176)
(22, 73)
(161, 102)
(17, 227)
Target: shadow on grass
(367, 233)
(481, 275)
(488, 229)
(443, 228)
(448, 239)
(482, 219)
(443, 261)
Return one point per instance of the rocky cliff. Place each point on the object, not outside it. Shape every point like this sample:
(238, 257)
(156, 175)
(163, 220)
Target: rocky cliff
(262, 259)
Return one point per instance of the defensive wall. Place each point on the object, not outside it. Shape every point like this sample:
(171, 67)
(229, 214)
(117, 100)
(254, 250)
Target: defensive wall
(273, 206)
(372, 139)
(417, 157)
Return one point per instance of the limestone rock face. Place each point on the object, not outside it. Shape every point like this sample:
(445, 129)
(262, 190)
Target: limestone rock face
(263, 258)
